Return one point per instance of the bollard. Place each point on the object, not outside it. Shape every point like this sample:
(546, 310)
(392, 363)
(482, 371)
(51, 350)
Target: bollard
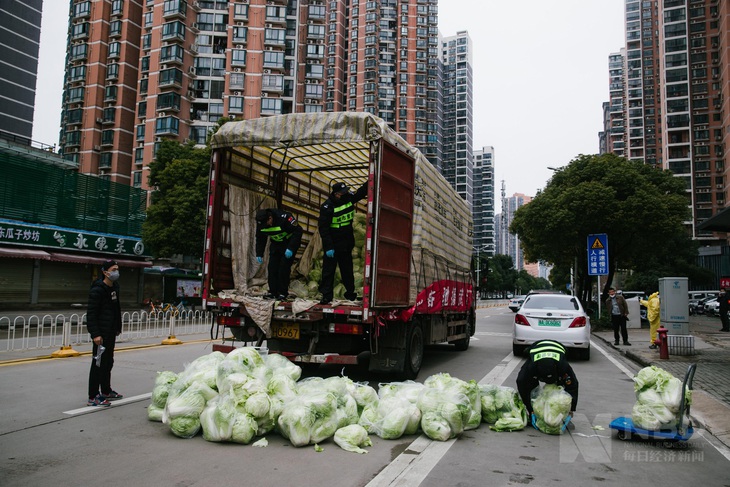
(663, 342)
(66, 350)
(171, 340)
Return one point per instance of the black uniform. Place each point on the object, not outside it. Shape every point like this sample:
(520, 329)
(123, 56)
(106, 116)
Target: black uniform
(547, 364)
(723, 301)
(335, 228)
(104, 319)
(285, 233)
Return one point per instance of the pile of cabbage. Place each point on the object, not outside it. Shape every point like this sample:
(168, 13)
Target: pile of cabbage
(658, 397)
(551, 405)
(502, 408)
(243, 395)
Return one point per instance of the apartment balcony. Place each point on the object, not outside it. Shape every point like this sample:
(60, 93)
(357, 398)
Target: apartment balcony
(175, 9)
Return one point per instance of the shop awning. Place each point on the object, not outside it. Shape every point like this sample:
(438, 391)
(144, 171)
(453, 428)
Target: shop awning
(24, 254)
(86, 259)
(720, 222)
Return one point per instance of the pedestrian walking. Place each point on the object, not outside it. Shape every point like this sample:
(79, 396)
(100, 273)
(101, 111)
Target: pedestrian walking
(104, 323)
(652, 314)
(338, 240)
(619, 310)
(723, 301)
(286, 235)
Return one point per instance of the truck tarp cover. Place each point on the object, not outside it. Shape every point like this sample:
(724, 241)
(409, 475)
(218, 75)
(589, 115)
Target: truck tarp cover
(340, 145)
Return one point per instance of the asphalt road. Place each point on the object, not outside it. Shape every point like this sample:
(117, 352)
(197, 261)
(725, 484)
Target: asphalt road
(48, 436)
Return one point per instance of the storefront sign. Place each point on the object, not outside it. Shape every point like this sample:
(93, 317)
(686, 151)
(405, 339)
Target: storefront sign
(67, 239)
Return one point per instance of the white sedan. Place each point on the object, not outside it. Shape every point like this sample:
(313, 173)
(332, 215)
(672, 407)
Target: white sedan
(558, 317)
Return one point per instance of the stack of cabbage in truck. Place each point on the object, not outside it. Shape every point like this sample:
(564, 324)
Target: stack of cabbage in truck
(417, 286)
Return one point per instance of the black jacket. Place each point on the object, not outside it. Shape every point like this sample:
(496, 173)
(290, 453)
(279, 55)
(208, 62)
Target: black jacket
(343, 234)
(284, 231)
(527, 379)
(104, 313)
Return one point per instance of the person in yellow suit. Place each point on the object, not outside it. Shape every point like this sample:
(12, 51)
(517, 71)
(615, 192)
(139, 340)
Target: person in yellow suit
(652, 314)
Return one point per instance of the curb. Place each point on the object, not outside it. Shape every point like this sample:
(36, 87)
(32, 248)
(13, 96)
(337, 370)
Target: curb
(707, 422)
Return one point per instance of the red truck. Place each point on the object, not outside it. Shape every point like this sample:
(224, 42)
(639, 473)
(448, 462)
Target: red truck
(417, 284)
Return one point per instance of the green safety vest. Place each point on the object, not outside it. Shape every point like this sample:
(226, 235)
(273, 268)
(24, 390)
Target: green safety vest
(276, 234)
(343, 216)
(550, 349)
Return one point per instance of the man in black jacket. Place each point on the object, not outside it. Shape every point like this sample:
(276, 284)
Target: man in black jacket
(547, 364)
(723, 301)
(338, 239)
(286, 235)
(104, 322)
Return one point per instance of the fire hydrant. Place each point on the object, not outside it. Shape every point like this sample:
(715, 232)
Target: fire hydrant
(662, 341)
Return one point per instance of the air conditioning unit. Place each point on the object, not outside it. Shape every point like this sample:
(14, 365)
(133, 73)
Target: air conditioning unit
(194, 26)
(97, 148)
(240, 24)
(267, 71)
(268, 26)
(163, 66)
(193, 47)
(236, 93)
(162, 115)
(237, 70)
(99, 120)
(191, 70)
(264, 95)
(269, 48)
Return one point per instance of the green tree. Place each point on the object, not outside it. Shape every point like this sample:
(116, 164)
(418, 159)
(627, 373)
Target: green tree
(175, 221)
(641, 209)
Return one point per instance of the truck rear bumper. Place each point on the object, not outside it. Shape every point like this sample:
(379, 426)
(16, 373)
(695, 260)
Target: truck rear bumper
(328, 358)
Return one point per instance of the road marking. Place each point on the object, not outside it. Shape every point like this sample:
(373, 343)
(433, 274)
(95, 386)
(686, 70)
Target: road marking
(420, 457)
(493, 334)
(119, 402)
(613, 360)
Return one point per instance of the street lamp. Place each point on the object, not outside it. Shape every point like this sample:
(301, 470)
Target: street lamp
(479, 251)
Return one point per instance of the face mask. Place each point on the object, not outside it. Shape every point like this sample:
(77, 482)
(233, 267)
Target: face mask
(113, 275)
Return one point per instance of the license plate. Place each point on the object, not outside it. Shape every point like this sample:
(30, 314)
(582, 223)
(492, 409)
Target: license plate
(548, 323)
(287, 331)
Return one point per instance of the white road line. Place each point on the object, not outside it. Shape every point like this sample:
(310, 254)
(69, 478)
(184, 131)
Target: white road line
(420, 457)
(613, 360)
(126, 400)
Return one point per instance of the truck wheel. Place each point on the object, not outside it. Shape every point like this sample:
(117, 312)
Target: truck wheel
(518, 350)
(462, 344)
(414, 352)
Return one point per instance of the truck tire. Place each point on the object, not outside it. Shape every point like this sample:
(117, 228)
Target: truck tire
(414, 352)
(463, 344)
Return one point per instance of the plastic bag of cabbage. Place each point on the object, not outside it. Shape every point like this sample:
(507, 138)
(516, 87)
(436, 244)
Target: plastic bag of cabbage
(502, 408)
(550, 404)
(658, 397)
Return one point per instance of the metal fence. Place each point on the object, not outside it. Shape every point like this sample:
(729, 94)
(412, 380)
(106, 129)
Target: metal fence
(48, 331)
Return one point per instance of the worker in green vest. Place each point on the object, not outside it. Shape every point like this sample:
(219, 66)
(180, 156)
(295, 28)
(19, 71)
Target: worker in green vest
(338, 240)
(285, 234)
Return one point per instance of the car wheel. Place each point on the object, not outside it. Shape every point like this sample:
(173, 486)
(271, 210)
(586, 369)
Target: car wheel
(584, 353)
(518, 350)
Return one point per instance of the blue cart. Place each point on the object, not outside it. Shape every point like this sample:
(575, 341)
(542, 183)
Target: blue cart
(681, 432)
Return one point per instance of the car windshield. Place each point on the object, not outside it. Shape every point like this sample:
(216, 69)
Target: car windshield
(545, 301)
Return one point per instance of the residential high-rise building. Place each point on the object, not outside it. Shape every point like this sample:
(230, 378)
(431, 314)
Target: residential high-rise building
(458, 108)
(510, 243)
(20, 33)
(483, 206)
(676, 86)
(140, 71)
(615, 121)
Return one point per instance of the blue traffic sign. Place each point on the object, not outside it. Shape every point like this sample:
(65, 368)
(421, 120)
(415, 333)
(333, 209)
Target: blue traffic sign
(598, 254)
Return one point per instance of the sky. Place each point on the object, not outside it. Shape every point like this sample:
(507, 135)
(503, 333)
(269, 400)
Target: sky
(540, 78)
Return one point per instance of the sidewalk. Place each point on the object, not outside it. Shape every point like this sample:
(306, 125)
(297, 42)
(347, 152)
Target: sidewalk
(711, 396)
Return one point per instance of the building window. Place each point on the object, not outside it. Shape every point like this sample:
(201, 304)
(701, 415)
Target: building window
(146, 41)
(75, 95)
(78, 52)
(115, 28)
(271, 106)
(74, 116)
(275, 36)
(117, 7)
(105, 160)
(168, 101)
(169, 54)
(115, 49)
(110, 94)
(273, 59)
(171, 30)
(107, 137)
(240, 10)
(80, 31)
(240, 34)
(236, 81)
(170, 77)
(167, 125)
(142, 109)
(82, 9)
(143, 84)
(273, 82)
(139, 155)
(235, 104)
(139, 131)
(238, 57)
(77, 73)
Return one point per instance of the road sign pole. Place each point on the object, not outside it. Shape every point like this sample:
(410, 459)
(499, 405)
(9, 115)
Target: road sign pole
(598, 297)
